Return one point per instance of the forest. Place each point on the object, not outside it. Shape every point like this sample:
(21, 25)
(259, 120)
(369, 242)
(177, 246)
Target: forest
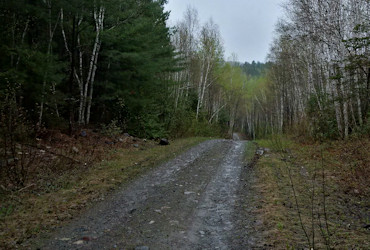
(73, 64)
(116, 67)
(78, 64)
(80, 79)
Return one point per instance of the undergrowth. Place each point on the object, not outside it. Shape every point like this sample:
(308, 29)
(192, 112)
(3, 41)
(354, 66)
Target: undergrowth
(315, 195)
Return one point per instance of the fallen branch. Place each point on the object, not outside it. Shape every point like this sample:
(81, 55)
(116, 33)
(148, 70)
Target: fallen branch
(33, 184)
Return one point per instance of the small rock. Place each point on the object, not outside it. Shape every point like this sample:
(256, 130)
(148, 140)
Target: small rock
(145, 140)
(260, 151)
(151, 222)
(132, 211)
(136, 145)
(75, 150)
(164, 142)
(202, 232)
(120, 140)
(158, 211)
(83, 133)
(174, 222)
(65, 239)
(79, 242)
(142, 248)
(188, 192)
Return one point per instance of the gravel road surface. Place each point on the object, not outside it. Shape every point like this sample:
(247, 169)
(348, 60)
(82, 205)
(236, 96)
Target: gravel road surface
(196, 201)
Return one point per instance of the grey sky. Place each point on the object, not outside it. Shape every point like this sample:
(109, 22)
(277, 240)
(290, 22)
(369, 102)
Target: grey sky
(246, 26)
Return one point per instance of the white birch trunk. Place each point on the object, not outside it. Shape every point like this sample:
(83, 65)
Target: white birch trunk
(200, 87)
(338, 112)
(99, 23)
(345, 110)
(359, 109)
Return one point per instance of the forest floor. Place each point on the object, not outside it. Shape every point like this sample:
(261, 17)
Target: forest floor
(315, 195)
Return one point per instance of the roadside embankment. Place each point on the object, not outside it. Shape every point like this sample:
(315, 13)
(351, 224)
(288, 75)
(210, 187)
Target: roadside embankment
(314, 195)
(28, 212)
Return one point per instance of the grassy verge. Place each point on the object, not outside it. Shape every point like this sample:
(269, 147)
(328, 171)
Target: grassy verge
(249, 152)
(315, 195)
(26, 214)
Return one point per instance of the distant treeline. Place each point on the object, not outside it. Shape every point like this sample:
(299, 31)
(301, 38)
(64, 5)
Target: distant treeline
(255, 69)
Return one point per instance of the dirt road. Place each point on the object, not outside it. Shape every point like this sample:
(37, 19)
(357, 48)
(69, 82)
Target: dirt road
(196, 201)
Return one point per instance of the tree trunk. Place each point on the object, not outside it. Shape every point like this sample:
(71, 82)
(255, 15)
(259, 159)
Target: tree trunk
(359, 109)
(200, 87)
(71, 76)
(99, 23)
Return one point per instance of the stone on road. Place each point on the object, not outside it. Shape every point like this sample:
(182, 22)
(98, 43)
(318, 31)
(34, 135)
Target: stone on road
(187, 203)
(236, 137)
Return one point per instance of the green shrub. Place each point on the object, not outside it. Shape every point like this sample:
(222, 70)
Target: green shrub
(153, 127)
(112, 129)
(323, 121)
(203, 128)
(180, 123)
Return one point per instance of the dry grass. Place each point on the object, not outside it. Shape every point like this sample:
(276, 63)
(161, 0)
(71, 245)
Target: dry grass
(345, 167)
(27, 213)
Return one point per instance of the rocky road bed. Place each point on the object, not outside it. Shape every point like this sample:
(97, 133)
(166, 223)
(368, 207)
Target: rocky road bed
(196, 201)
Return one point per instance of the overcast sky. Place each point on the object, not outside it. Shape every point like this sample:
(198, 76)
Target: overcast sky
(246, 26)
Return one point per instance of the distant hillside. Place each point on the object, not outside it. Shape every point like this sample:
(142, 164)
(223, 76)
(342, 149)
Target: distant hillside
(255, 68)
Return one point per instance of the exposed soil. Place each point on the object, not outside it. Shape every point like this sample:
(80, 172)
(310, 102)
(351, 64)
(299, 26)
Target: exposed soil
(199, 200)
